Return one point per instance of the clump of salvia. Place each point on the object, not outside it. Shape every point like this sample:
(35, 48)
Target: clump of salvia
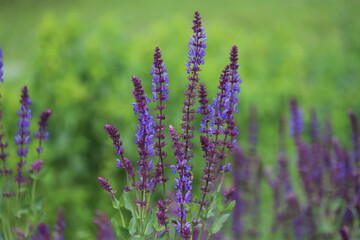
(179, 213)
(327, 204)
(20, 210)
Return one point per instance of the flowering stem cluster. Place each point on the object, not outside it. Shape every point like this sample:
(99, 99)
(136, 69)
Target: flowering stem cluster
(219, 129)
(19, 210)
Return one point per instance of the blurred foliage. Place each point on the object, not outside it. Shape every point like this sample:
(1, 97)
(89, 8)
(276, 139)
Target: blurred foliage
(78, 59)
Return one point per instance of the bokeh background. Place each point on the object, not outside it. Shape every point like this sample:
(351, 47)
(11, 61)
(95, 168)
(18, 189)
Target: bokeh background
(77, 57)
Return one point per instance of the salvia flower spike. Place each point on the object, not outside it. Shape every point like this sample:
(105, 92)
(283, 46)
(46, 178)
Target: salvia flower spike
(160, 92)
(23, 137)
(106, 186)
(24, 113)
(196, 54)
(1, 66)
(144, 137)
(41, 134)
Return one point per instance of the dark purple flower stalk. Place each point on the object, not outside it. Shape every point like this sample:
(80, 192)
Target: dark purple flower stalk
(161, 94)
(314, 126)
(344, 233)
(234, 82)
(115, 137)
(41, 134)
(1, 65)
(106, 186)
(196, 54)
(183, 184)
(355, 136)
(104, 227)
(296, 124)
(230, 194)
(162, 213)
(212, 125)
(20, 178)
(144, 137)
(36, 166)
(206, 110)
(42, 233)
(60, 226)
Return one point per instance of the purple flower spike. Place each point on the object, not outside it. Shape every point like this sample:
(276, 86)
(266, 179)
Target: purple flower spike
(314, 126)
(115, 137)
(355, 136)
(183, 184)
(197, 46)
(144, 136)
(161, 94)
(43, 233)
(104, 227)
(127, 165)
(20, 178)
(106, 186)
(196, 53)
(1, 65)
(230, 194)
(41, 134)
(296, 121)
(162, 213)
(36, 166)
(160, 80)
(23, 137)
(206, 110)
(60, 226)
(344, 233)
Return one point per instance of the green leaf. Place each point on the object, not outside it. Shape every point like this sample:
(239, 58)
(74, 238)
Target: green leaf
(213, 208)
(115, 203)
(219, 222)
(163, 236)
(124, 233)
(149, 226)
(132, 226)
(116, 226)
(229, 206)
(219, 201)
(129, 204)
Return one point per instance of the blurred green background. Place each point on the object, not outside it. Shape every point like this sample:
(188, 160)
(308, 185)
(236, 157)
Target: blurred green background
(77, 57)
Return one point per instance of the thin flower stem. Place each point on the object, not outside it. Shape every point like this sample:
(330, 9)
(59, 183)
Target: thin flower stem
(121, 215)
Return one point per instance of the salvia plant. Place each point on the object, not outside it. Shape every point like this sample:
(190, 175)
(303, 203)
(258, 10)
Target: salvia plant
(20, 207)
(326, 206)
(178, 213)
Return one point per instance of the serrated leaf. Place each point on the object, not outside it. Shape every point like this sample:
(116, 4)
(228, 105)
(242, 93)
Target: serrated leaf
(219, 222)
(132, 226)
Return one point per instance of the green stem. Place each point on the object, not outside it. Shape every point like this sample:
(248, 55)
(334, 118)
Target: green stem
(8, 220)
(33, 190)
